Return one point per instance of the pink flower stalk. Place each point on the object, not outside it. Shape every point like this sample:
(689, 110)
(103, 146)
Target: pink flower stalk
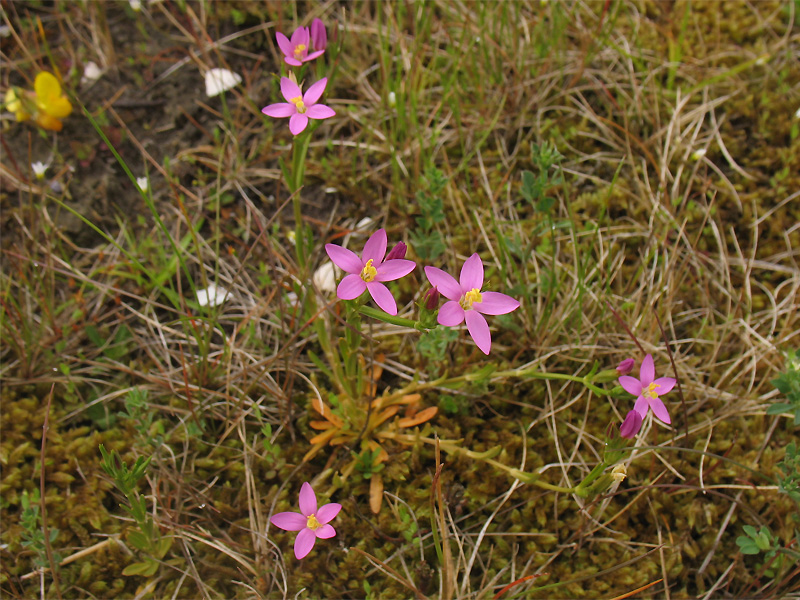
(319, 37)
(648, 389)
(369, 271)
(467, 302)
(300, 107)
(626, 366)
(295, 51)
(631, 425)
(310, 522)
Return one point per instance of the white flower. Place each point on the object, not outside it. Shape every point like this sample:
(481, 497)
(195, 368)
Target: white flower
(212, 296)
(797, 114)
(325, 278)
(142, 183)
(91, 72)
(619, 472)
(291, 236)
(220, 80)
(39, 169)
(135, 4)
(392, 100)
(698, 154)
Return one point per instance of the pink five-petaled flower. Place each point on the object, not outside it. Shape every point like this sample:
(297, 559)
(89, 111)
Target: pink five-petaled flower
(310, 522)
(648, 389)
(300, 107)
(295, 51)
(466, 301)
(369, 271)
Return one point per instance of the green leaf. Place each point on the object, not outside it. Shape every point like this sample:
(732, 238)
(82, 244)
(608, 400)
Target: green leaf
(779, 408)
(145, 568)
(139, 541)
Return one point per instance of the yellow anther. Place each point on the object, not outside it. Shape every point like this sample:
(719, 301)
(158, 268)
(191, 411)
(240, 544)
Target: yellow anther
(312, 523)
(298, 102)
(368, 273)
(651, 390)
(299, 50)
(474, 295)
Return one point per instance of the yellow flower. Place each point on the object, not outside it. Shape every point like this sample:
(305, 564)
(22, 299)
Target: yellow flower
(15, 104)
(46, 104)
(52, 104)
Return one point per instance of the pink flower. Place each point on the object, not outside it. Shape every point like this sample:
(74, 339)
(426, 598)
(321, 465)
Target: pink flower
(648, 389)
(631, 425)
(298, 106)
(369, 271)
(296, 50)
(310, 522)
(467, 302)
(319, 37)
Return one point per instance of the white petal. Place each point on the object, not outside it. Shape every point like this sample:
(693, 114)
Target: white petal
(212, 296)
(91, 72)
(142, 183)
(39, 169)
(325, 278)
(220, 80)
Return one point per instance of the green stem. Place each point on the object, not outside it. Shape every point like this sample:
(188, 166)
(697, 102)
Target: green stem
(387, 318)
(294, 179)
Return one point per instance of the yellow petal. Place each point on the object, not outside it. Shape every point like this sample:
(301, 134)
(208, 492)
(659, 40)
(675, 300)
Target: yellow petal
(45, 121)
(46, 86)
(59, 107)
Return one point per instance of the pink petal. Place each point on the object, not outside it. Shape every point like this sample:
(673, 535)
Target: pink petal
(284, 44)
(479, 330)
(648, 371)
(472, 273)
(394, 269)
(495, 303)
(320, 111)
(375, 248)
(301, 35)
(304, 543)
(344, 258)
(444, 282)
(325, 532)
(382, 296)
(290, 60)
(641, 406)
(659, 410)
(451, 314)
(308, 500)
(631, 384)
(290, 89)
(314, 93)
(289, 521)
(298, 123)
(327, 513)
(313, 55)
(351, 287)
(280, 110)
(665, 385)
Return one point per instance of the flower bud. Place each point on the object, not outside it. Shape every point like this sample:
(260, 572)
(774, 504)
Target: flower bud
(631, 425)
(319, 37)
(399, 251)
(626, 366)
(432, 299)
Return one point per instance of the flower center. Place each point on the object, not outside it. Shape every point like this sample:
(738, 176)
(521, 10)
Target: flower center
(369, 272)
(474, 295)
(299, 104)
(312, 523)
(651, 392)
(299, 50)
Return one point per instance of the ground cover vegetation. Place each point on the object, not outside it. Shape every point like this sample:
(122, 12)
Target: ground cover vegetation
(400, 299)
